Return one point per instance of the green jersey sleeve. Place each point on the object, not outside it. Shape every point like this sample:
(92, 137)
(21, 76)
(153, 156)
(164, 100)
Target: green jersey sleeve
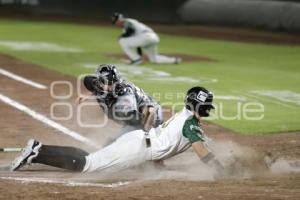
(192, 131)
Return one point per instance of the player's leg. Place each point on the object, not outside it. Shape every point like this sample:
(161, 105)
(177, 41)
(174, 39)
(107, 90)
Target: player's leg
(150, 46)
(127, 151)
(129, 48)
(70, 158)
(151, 52)
(57, 156)
(133, 45)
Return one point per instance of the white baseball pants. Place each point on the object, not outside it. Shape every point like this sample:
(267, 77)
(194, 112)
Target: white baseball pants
(127, 151)
(147, 41)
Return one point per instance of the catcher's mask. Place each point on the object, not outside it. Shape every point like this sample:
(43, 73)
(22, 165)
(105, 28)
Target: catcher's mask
(199, 99)
(108, 74)
(116, 16)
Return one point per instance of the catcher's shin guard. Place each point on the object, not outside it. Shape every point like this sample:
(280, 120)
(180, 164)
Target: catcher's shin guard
(70, 158)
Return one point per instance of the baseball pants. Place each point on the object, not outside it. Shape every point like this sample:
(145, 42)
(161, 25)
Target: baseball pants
(127, 151)
(148, 41)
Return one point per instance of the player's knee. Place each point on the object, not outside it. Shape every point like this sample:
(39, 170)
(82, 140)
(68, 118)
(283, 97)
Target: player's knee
(122, 42)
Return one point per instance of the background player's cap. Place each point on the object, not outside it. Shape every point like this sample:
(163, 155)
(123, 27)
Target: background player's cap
(116, 16)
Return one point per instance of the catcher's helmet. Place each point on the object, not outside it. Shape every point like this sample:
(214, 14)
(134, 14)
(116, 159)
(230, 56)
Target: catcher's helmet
(116, 16)
(108, 74)
(199, 99)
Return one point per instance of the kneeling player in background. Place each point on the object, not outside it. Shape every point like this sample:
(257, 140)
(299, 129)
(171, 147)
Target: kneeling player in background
(137, 37)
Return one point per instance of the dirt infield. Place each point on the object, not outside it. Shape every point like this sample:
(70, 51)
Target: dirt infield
(183, 177)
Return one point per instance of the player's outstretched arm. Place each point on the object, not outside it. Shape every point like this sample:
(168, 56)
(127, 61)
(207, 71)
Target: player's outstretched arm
(206, 156)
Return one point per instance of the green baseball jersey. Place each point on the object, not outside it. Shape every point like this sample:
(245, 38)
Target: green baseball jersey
(192, 130)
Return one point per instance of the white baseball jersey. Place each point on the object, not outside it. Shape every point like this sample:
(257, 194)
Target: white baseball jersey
(173, 137)
(168, 140)
(137, 26)
(138, 35)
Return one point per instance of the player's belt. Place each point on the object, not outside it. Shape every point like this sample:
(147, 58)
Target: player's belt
(148, 140)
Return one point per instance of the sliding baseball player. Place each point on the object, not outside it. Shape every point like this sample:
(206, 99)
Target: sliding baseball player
(133, 148)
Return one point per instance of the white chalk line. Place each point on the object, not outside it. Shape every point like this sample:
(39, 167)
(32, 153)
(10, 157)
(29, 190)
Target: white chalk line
(230, 97)
(66, 183)
(150, 74)
(37, 46)
(285, 96)
(21, 79)
(268, 100)
(45, 120)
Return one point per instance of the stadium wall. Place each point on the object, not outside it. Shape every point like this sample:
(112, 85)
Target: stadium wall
(264, 14)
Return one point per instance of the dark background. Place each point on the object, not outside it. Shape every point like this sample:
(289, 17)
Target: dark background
(283, 15)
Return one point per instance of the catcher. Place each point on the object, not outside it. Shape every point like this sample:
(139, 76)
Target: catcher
(133, 148)
(137, 37)
(121, 100)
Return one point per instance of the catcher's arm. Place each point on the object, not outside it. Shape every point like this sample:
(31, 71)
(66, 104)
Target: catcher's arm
(206, 156)
(148, 117)
(90, 83)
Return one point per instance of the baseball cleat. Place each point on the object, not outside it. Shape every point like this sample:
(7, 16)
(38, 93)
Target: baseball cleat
(136, 62)
(28, 153)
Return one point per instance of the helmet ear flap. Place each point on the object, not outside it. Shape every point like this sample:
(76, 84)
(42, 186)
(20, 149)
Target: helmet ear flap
(189, 105)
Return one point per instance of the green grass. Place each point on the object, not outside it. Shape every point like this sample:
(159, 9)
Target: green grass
(240, 68)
